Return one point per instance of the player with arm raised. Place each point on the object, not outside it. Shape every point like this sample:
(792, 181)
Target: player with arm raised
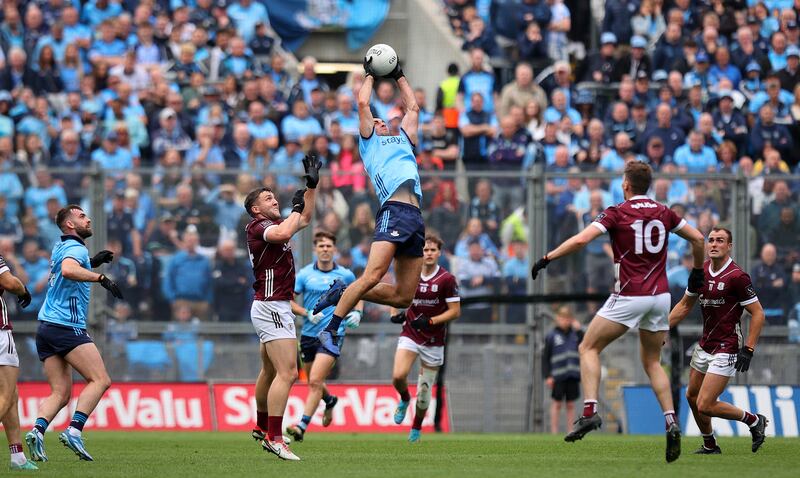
(61, 338)
(268, 237)
(400, 232)
(9, 369)
(312, 281)
(718, 355)
(638, 229)
(436, 303)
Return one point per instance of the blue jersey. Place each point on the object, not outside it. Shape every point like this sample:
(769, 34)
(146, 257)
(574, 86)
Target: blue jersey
(390, 163)
(312, 283)
(67, 301)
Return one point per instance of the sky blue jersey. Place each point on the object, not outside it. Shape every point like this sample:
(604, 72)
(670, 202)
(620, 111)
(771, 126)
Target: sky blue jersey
(390, 163)
(67, 301)
(312, 283)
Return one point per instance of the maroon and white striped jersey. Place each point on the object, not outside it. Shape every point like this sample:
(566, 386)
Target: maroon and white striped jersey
(273, 264)
(431, 299)
(5, 320)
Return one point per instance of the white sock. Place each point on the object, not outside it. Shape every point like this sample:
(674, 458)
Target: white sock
(73, 431)
(18, 458)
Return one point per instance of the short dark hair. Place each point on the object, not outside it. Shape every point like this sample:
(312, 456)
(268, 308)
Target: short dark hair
(452, 69)
(725, 230)
(251, 198)
(64, 213)
(639, 176)
(319, 235)
(434, 239)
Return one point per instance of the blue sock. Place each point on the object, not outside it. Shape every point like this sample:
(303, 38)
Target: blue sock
(304, 422)
(78, 420)
(333, 325)
(41, 425)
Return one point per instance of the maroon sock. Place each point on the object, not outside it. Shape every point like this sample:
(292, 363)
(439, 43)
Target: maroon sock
(15, 448)
(275, 428)
(405, 396)
(589, 408)
(709, 441)
(749, 419)
(261, 420)
(670, 418)
(418, 418)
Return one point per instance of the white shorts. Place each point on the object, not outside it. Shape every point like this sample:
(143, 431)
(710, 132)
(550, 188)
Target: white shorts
(273, 320)
(649, 312)
(433, 356)
(717, 364)
(8, 350)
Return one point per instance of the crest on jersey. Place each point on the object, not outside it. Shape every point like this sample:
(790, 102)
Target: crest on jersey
(600, 217)
(750, 291)
(435, 288)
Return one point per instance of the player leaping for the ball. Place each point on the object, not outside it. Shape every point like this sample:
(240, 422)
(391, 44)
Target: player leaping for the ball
(400, 232)
(268, 237)
(639, 230)
(718, 356)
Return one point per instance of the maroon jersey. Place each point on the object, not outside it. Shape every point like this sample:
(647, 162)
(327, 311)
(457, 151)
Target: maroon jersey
(273, 264)
(433, 294)
(638, 229)
(722, 302)
(5, 321)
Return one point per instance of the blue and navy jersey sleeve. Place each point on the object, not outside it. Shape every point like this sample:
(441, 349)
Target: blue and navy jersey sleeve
(76, 251)
(300, 281)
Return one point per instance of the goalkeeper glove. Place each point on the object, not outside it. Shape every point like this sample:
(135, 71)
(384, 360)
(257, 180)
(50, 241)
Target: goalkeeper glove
(353, 319)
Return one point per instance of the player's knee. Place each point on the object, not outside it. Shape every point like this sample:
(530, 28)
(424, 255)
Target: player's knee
(404, 300)
(705, 405)
(289, 376)
(372, 277)
(584, 348)
(103, 382)
(691, 397)
(316, 384)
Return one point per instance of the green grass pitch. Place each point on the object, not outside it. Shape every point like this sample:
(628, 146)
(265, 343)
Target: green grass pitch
(202, 455)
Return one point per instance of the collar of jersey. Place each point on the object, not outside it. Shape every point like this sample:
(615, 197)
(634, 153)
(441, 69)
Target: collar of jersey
(70, 236)
(432, 275)
(641, 196)
(335, 265)
(725, 266)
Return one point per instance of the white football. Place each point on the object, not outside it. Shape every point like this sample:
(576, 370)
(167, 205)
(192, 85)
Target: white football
(384, 59)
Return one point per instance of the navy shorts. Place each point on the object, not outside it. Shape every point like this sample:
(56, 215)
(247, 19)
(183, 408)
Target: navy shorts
(311, 346)
(52, 339)
(402, 224)
(566, 390)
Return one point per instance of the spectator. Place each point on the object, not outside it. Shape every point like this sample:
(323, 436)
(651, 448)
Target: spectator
(231, 284)
(477, 80)
(36, 196)
(730, 122)
(790, 75)
(769, 279)
(617, 19)
(485, 208)
(771, 213)
(515, 274)
(532, 46)
(669, 48)
(262, 42)
(111, 157)
(672, 136)
(170, 136)
(187, 279)
(120, 226)
(723, 68)
(481, 37)
(560, 24)
(49, 231)
(288, 161)
(246, 15)
(636, 61)
(122, 270)
(521, 91)
(447, 213)
(107, 48)
(37, 268)
(600, 66)
(345, 115)
(238, 63)
(786, 235)
(477, 275)
(300, 124)
(766, 133)
(649, 22)
(16, 75)
(444, 142)
(694, 156)
(561, 365)
(165, 240)
(474, 232)
(9, 224)
(477, 127)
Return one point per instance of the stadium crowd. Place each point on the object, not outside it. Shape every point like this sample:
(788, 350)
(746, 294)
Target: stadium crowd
(188, 104)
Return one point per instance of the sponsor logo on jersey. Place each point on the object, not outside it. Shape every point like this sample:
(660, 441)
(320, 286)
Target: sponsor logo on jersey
(712, 302)
(646, 205)
(424, 302)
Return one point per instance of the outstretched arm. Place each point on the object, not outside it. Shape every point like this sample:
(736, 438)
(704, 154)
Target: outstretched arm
(682, 309)
(410, 122)
(573, 244)
(696, 239)
(365, 120)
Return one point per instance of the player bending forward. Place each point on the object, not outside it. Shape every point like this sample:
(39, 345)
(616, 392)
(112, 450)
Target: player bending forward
(400, 232)
(61, 339)
(718, 356)
(268, 239)
(436, 303)
(312, 281)
(9, 369)
(639, 230)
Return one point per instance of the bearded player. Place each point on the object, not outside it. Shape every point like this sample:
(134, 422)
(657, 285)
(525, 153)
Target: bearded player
(436, 303)
(268, 237)
(400, 232)
(638, 229)
(718, 356)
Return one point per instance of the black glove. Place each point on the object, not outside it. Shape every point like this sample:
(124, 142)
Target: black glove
(696, 279)
(540, 265)
(298, 202)
(422, 323)
(368, 67)
(110, 286)
(24, 299)
(311, 165)
(743, 359)
(398, 318)
(102, 257)
(397, 73)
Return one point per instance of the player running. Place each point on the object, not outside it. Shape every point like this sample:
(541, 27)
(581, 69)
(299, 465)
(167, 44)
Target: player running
(400, 232)
(268, 237)
(718, 356)
(436, 303)
(312, 281)
(61, 339)
(638, 229)
(9, 369)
